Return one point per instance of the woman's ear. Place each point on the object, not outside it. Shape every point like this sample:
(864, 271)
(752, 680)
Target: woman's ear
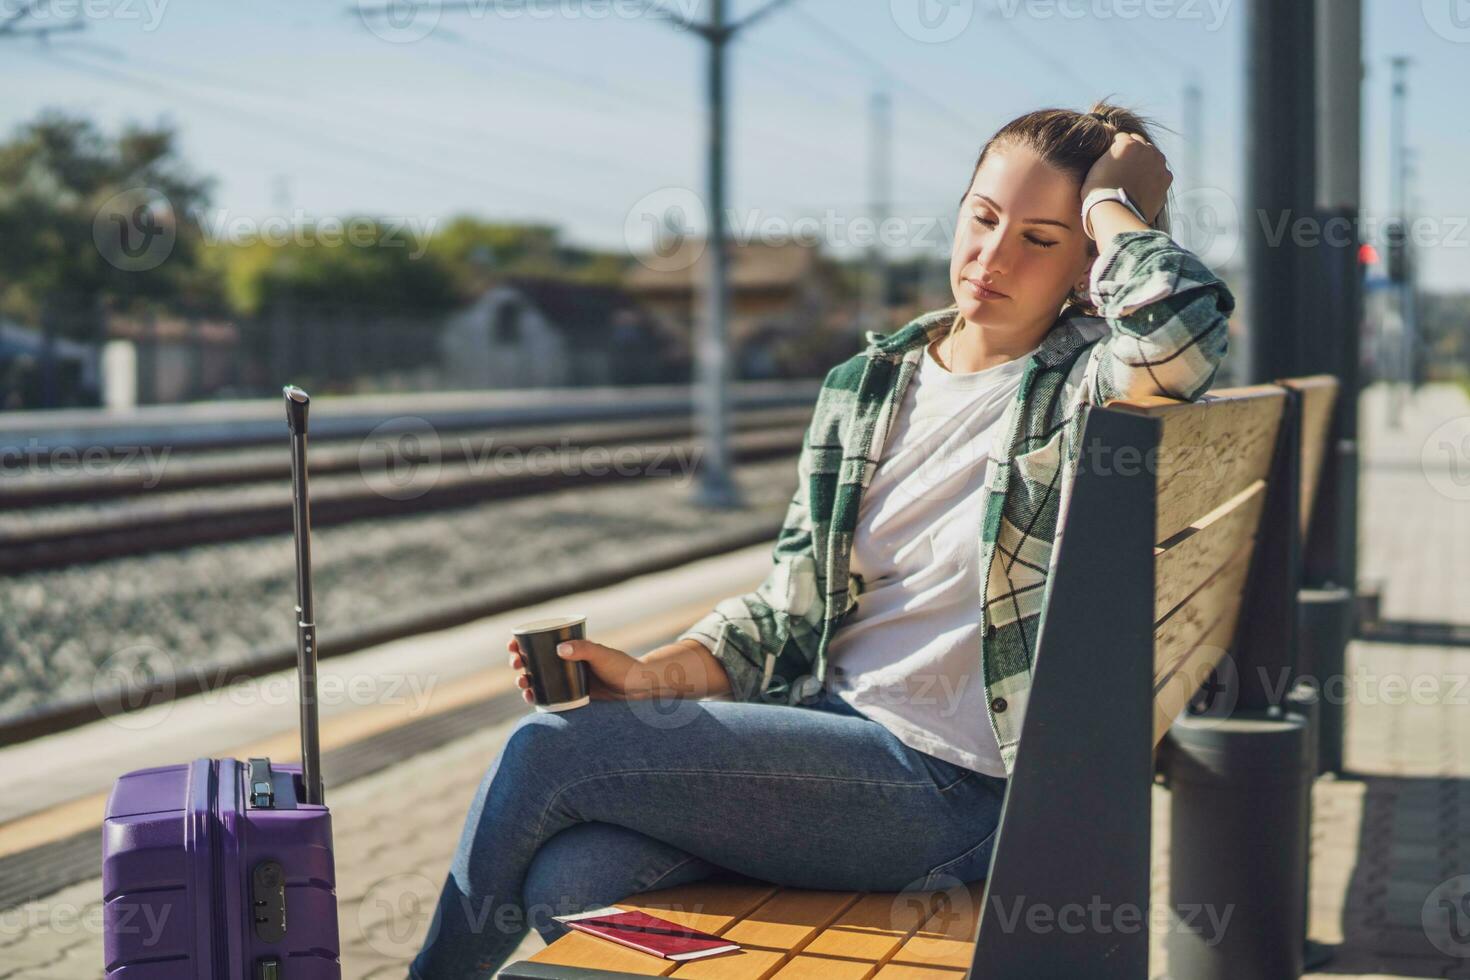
(1084, 282)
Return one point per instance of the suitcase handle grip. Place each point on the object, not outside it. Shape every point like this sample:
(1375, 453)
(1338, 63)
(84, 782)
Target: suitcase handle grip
(297, 402)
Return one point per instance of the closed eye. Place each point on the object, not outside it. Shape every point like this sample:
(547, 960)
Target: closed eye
(990, 223)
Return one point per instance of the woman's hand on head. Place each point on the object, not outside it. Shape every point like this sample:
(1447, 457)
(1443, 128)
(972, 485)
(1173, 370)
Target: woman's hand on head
(612, 675)
(1137, 166)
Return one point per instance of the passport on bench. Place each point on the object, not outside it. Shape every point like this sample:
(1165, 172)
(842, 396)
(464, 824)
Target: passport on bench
(647, 933)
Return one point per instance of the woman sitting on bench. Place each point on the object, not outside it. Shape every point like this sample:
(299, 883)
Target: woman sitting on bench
(876, 681)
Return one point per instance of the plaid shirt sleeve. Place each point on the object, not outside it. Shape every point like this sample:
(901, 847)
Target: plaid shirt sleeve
(1168, 313)
(746, 633)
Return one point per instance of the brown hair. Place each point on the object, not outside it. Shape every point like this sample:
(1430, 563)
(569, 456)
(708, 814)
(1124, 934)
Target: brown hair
(1071, 142)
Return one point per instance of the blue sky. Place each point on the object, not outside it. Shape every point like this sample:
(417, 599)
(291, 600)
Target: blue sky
(583, 121)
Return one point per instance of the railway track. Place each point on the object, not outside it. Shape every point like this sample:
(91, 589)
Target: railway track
(110, 473)
(227, 499)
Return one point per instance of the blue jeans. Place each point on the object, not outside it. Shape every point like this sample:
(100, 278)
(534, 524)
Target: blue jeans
(583, 808)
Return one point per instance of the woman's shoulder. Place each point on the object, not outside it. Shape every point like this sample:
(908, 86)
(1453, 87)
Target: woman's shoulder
(838, 396)
(845, 375)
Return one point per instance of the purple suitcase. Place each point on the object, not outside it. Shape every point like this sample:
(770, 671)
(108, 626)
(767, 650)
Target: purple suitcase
(218, 870)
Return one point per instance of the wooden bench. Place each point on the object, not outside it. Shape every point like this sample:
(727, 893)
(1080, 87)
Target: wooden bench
(1165, 554)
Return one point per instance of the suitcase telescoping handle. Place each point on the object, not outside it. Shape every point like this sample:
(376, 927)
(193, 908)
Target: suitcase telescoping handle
(297, 403)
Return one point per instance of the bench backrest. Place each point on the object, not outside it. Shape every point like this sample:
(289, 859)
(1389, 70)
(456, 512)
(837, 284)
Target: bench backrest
(1214, 459)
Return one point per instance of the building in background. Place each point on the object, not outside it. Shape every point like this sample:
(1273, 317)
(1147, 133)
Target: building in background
(538, 332)
(176, 359)
(791, 309)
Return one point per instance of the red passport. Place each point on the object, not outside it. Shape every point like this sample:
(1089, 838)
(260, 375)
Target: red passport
(648, 933)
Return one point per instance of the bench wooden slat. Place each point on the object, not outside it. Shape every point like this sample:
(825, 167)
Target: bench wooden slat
(827, 966)
(944, 947)
(711, 906)
(1182, 631)
(769, 935)
(1208, 450)
(1193, 555)
(903, 971)
(1176, 690)
(864, 936)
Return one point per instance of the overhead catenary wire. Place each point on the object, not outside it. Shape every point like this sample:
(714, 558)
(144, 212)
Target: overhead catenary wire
(922, 98)
(641, 97)
(314, 138)
(291, 99)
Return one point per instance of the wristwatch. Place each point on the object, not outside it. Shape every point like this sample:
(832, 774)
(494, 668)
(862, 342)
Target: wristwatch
(1100, 194)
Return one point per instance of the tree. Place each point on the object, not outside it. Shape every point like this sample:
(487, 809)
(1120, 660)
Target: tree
(477, 252)
(75, 205)
(352, 263)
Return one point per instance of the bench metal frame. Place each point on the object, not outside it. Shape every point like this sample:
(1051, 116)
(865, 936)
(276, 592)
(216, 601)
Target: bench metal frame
(1075, 828)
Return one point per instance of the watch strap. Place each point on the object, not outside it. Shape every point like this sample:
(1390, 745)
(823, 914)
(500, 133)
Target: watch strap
(1101, 194)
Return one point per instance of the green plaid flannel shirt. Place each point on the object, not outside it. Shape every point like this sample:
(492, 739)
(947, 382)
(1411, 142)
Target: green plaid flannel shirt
(1162, 332)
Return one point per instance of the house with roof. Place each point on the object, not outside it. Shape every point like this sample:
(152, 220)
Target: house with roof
(538, 332)
(784, 301)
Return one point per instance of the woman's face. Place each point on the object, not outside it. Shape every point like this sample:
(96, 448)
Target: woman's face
(1020, 234)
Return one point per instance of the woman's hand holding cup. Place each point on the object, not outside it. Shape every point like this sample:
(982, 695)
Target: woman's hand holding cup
(612, 675)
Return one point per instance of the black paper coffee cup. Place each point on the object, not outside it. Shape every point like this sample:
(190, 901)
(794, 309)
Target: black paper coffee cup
(558, 684)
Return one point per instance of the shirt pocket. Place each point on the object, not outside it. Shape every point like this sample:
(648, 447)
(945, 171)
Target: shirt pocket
(1022, 559)
(1042, 464)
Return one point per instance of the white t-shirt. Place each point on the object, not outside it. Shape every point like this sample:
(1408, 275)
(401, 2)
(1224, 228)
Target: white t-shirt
(909, 656)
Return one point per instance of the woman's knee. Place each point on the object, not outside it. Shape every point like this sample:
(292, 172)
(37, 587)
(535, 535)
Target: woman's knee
(593, 864)
(538, 733)
(561, 876)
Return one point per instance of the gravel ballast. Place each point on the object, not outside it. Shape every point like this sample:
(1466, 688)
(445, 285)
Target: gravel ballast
(71, 634)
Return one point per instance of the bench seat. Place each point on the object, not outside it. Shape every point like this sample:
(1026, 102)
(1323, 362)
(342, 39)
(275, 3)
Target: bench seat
(796, 934)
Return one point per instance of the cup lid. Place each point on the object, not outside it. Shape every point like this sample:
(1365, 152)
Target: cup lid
(551, 623)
